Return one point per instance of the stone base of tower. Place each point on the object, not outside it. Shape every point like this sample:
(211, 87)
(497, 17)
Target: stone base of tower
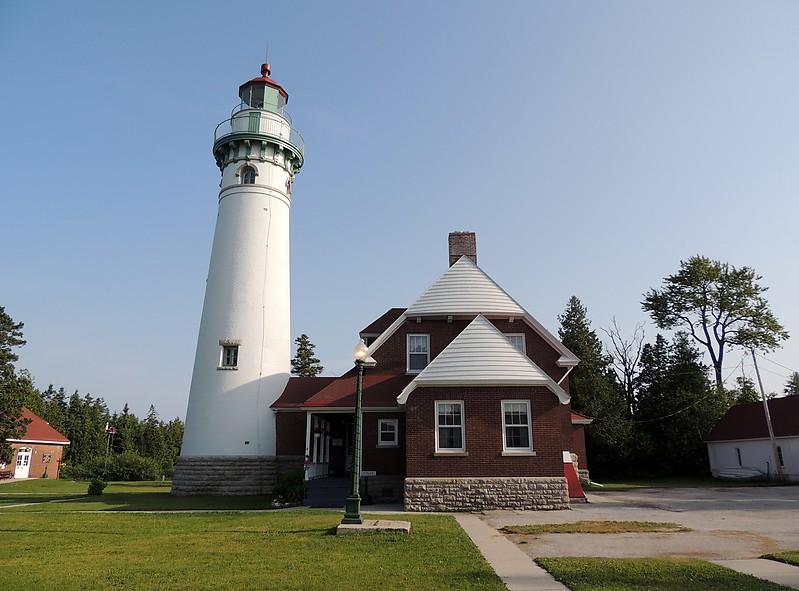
(229, 475)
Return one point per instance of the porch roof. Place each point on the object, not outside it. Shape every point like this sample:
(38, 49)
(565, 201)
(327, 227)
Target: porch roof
(379, 391)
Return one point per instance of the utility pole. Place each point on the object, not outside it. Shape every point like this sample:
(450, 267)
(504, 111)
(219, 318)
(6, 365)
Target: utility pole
(775, 454)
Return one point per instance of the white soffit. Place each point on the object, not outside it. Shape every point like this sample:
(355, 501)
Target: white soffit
(482, 356)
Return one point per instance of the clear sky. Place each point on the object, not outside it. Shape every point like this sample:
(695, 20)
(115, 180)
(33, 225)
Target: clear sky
(590, 145)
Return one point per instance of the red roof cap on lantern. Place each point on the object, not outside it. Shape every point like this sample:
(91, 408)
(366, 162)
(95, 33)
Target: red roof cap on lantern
(263, 80)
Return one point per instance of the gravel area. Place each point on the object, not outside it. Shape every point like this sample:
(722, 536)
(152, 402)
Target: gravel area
(726, 523)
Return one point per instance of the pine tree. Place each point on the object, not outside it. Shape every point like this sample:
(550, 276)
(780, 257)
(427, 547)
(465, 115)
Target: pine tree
(677, 407)
(304, 363)
(596, 393)
(792, 385)
(14, 388)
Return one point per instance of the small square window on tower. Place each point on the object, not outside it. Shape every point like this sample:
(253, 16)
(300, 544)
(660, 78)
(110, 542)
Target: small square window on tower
(229, 354)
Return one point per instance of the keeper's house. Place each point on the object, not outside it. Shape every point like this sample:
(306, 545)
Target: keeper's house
(465, 400)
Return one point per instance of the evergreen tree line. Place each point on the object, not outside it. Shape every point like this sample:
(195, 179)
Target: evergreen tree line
(653, 403)
(112, 446)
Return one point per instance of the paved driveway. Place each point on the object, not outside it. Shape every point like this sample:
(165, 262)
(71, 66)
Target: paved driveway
(726, 523)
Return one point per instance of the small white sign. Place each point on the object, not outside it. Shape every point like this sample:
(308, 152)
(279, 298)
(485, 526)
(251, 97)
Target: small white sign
(368, 473)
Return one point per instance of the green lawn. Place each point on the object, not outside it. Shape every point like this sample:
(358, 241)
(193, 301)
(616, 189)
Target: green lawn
(61, 547)
(786, 557)
(118, 496)
(650, 574)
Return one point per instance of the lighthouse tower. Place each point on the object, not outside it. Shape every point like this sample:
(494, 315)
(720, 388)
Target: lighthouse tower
(243, 357)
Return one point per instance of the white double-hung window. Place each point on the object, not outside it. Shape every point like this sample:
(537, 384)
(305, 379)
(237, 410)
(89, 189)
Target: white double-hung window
(517, 340)
(516, 426)
(450, 426)
(418, 352)
(387, 433)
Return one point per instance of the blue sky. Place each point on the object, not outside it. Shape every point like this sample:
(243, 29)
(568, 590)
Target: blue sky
(591, 147)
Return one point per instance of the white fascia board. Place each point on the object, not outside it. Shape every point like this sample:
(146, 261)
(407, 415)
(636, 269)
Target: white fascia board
(386, 334)
(42, 441)
(550, 385)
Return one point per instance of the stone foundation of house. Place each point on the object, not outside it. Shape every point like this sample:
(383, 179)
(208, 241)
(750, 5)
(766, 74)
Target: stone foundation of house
(228, 475)
(476, 494)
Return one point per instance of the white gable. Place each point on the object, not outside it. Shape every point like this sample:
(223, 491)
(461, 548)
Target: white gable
(482, 356)
(464, 289)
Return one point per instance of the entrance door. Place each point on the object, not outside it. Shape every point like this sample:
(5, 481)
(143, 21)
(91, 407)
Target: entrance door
(23, 462)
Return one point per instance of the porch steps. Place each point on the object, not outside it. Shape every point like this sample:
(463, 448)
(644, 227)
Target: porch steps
(326, 492)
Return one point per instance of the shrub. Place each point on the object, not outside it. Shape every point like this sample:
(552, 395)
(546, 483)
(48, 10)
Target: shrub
(289, 488)
(125, 466)
(96, 486)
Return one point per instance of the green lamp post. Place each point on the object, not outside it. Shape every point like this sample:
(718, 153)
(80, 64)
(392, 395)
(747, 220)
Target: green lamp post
(352, 509)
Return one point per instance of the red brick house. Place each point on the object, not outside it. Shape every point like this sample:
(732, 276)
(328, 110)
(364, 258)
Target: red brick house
(465, 402)
(38, 453)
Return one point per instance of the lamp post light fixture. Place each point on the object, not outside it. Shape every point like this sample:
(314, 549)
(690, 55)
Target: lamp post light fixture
(352, 509)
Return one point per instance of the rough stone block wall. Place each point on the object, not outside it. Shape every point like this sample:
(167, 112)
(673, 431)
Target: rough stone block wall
(225, 475)
(477, 494)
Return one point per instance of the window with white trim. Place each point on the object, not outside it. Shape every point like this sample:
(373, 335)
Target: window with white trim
(517, 340)
(230, 356)
(418, 352)
(516, 428)
(450, 426)
(387, 433)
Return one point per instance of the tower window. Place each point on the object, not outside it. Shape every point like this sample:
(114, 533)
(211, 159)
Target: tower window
(229, 354)
(248, 175)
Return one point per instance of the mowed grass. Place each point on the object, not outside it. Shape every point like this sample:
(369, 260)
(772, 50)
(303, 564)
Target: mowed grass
(786, 557)
(675, 482)
(118, 496)
(650, 574)
(596, 527)
(62, 547)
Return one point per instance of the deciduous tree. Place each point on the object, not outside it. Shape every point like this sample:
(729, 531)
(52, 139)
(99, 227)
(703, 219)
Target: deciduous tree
(595, 392)
(719, 305)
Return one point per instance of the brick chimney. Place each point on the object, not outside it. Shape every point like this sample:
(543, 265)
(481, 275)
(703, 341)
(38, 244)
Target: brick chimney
(462, 244)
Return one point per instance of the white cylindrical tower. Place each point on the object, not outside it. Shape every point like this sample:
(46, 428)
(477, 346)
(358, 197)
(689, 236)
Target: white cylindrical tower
(243, 357)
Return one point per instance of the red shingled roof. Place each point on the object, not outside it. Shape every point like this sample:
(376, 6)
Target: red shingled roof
(578, 419)
(379, 391)
(40, 431)
(379, 326)
(748, 421)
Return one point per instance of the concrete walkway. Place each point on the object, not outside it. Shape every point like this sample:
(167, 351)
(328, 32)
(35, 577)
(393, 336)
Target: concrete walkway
(776, 572)
(514, 567)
